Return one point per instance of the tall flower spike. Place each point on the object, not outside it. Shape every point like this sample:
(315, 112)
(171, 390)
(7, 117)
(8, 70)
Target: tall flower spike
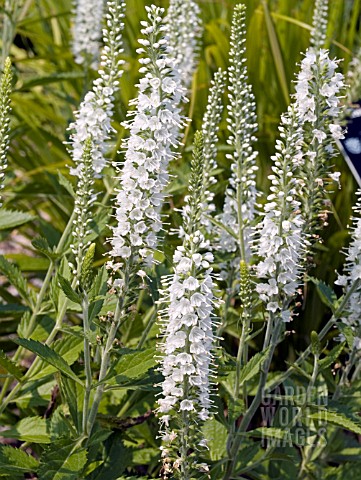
(352, 274)
(239, 206)
(319, 25)
(5, 91)
(319, 89)
(281, 243)
(184, 30)
(154, 136)
(87, 31)
(187, 330)
(210, 127)
(92, 126)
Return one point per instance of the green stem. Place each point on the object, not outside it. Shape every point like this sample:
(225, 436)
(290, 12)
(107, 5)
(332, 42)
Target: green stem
(106, 353)
(271, 341)
(87, 364)
(148, 326)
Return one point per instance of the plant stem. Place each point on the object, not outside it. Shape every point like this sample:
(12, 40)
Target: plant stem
(87, 364)
(271, 340)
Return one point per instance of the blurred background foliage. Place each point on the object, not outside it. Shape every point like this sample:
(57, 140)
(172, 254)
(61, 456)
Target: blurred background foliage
(49, 86)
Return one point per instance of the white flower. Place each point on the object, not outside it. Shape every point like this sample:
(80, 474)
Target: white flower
(281, 243)
(183, 28)
(352, 273)
(87, 31)
(239, 205)
(92, 127)
(144, 173)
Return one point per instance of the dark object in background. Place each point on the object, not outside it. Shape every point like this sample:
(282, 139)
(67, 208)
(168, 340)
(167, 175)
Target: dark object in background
(351, 144)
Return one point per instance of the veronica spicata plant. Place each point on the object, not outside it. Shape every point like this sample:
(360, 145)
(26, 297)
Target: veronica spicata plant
(97, 387)
(187, 336)
(5, 91)
(87, 31)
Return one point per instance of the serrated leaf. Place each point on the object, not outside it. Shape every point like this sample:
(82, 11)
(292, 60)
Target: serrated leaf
(68, 348)
(337, 419)
(252, 367)
(49, 356)
(131, 365)
(10, 218)
(325, 292)
(68, 290)
(62, 461)
(64, 182)
(216, 435)
(16, 278)
(30, 429)
(41, 245)
(14, 461)
(12, 309)
(10, 366)
(331, 357)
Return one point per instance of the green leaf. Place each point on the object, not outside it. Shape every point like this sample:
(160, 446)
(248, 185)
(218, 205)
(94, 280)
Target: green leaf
(68, 348)
(15, 461)
(325, 292)
(10, 218)
(16, 279)
(216, 435)
(131, 365)
(30, 429)
(252, 367)
(41, 245)
(276, 52)
(62, 461)
(222, 226)
(49, 356)
(98, 289)
(331, 357)
(337, 419)
(116, 459)
(64, 182)
(68, 290)
(10, 366)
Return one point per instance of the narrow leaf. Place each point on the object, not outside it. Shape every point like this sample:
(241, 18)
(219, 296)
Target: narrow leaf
(68, 290)
(49, 356)
(10, 218)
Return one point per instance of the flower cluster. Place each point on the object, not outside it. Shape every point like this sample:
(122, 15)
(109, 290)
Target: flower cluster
(352, 275)
(87, 31)
(281, 243)
(183, 28)
(187, 329)
(154, 131)
(210, 127)
(319, 89)
(5, 91)
(92, 126)
(319, 25)
(96, 110)
(239, 206)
